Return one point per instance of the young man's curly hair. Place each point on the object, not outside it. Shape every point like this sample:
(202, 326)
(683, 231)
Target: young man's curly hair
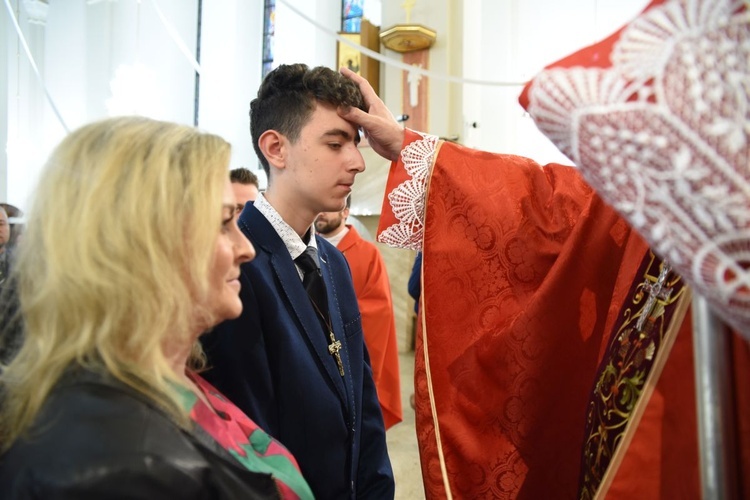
(287, 97)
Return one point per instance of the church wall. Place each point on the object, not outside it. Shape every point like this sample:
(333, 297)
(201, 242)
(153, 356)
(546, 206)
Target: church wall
(512, 41)
(91, 52)
(231, 54)
(299, 41)
(4, 53)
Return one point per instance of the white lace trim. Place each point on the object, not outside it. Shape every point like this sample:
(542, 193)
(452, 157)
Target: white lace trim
(664, 136)
(408, 199)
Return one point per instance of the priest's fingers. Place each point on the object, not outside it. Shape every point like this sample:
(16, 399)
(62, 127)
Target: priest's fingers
(364, 86)
(373, 103)
(384, 135)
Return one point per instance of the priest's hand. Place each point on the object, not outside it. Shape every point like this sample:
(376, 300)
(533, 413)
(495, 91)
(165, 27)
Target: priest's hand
(384, 133)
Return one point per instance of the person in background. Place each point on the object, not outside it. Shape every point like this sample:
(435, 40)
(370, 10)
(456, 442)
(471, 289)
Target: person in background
(4, 245)
(16, 227)
(295, 360)
(373, 291)
(245, 186)
(10, 331)
(104, 398)
(414, 284)
(414, 287)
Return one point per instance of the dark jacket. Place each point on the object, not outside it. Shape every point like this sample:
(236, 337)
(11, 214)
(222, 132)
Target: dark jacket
(273, 362)
(11, 329)
(97, 438)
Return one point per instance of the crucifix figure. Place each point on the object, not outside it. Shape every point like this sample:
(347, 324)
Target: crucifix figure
(413, 78)
(656, 291)
(333, 349)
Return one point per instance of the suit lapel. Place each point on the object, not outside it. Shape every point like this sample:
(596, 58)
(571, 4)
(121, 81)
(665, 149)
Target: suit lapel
(262, 234)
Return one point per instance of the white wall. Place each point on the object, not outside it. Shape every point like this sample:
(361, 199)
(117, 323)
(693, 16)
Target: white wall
(4, 27)
(231, 54)
(512, 41)
(298, 41)
(82, 47)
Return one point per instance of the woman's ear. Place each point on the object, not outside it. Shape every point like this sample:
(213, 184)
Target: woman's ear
(271, 144)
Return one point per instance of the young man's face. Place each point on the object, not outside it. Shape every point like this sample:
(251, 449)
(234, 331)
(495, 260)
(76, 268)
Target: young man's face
(329, 222)
(322, 164)
(244, 194)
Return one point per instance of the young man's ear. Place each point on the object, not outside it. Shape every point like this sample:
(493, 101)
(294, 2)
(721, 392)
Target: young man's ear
(271, 144)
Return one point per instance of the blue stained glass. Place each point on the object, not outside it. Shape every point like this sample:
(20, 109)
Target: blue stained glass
(268, 47)
(351, 15)
(352, 25)
(269, 28)
(353, 8)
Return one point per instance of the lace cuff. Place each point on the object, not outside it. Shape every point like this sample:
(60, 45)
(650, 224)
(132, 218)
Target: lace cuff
(402, 216)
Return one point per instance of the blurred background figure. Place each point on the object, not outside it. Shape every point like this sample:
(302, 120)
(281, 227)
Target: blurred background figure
(131, 252)
(4, 244)
(10, 331)
(373, 291)
(245, 186)
(15, 220)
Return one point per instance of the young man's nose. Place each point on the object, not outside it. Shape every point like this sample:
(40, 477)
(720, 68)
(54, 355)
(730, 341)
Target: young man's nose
(356, 161)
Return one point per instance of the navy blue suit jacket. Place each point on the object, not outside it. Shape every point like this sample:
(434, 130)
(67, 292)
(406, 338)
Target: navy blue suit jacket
(273, 363)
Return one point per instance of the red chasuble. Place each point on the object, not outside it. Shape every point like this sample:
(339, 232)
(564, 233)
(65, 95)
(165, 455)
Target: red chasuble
(555, 356)
(373, 292)
(657, 118)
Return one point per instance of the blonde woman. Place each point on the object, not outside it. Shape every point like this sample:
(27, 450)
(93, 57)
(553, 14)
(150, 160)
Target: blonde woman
(131, 252)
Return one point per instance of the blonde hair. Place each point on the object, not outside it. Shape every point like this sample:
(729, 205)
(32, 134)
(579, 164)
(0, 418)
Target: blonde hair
(115, 259)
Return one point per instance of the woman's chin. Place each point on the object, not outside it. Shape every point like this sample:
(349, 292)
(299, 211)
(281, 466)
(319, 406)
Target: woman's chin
(232, 311)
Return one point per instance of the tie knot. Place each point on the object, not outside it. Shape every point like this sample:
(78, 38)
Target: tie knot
(308, 260)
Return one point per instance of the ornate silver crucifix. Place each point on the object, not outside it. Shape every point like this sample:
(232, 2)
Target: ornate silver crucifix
(656, 291)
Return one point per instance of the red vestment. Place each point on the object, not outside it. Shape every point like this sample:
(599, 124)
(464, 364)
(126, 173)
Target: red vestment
(531, 290)
(373, 292)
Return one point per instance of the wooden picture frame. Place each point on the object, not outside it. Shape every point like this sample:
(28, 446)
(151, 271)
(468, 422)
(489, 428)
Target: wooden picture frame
(347, 56)
(352, 58)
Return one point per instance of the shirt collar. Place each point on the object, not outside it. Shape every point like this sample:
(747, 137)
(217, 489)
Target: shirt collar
(294, 244)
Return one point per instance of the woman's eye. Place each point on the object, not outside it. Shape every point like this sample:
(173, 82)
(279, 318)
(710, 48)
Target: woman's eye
(334, 145)
(226, 224)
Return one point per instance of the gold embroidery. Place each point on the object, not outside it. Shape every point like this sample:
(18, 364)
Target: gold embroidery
(626, 368)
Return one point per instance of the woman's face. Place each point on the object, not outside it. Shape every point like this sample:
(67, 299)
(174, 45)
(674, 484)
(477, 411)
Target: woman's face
(232, 249)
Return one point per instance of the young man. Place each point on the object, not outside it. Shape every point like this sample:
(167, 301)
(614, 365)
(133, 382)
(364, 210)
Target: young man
(373, 291)
(245, 186)
(294, 364)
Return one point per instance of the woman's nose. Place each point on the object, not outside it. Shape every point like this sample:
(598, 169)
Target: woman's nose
(244, 250)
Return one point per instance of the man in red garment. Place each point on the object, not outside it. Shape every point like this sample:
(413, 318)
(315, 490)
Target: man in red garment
(373, 292)
(555, 354)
